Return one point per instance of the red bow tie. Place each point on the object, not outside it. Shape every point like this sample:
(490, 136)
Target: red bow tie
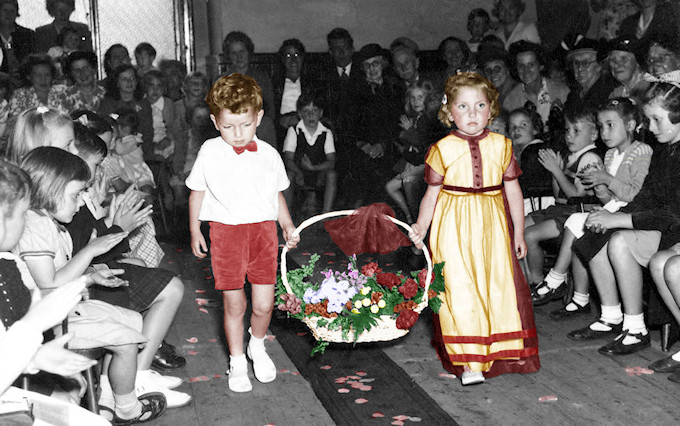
(250, 146)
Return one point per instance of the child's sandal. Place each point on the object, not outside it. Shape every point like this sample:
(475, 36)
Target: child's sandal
(153, 406)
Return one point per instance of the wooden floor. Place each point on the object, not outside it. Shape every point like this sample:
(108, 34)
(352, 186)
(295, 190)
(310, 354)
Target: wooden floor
(575, 385)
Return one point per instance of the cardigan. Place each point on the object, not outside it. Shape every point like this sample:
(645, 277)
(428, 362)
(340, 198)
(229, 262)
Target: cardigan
(631, 173)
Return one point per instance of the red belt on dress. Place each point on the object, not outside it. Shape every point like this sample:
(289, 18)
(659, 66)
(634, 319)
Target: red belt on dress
(473, 190)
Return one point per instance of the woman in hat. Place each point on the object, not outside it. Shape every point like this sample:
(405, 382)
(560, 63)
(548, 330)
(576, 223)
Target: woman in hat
(624, 58)
(378, 103)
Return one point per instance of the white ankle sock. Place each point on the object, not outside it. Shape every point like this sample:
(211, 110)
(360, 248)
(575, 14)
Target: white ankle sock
(127, 406)
(610, 314)
(555, 279)
(263, 366)
(578, 300)
(635, 324)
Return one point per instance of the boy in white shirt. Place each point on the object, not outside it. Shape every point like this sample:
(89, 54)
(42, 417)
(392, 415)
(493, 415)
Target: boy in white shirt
(236, 186)
(309, 153)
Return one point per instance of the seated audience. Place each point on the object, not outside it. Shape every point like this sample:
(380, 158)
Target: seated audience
(625, 64)
(145, 54)
(85, 93)
(663, 54)
(478, 24)
(566, 173)
(309, 154)
(47, 36)
(289, 83)
(495, 65)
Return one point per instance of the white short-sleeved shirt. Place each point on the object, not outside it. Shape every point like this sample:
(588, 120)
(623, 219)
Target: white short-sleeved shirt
(290, 143)
(239, 188)
(43, 236)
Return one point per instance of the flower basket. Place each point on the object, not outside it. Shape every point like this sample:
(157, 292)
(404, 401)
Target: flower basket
(361, 304)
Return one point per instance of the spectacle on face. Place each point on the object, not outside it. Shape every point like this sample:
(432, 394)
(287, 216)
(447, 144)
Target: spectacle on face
(661, 61)
(497, 72)
(373, 67)
(585, 66)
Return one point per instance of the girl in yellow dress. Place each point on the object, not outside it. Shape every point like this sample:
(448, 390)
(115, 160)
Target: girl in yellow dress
(485, 326)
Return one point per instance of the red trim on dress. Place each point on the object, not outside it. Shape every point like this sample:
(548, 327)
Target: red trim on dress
(501, 355)
(487, 340)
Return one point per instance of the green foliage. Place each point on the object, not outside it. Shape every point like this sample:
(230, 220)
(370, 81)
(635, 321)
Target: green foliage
(320, 348)
(322, 322)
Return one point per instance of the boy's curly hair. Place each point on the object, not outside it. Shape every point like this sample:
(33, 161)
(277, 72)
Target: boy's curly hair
(470, 80)
(234, 92)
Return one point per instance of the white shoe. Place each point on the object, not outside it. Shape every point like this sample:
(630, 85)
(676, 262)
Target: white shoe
(238, 376)
(155, 378)
(472, 378)
(263, 366)
(174, 399)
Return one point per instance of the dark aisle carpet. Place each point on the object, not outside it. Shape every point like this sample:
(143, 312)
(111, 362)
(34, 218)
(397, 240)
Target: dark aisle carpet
(361, 373)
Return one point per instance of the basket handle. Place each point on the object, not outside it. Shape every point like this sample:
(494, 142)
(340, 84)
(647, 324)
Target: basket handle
(312, 220)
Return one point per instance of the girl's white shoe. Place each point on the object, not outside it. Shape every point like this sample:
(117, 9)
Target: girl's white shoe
(472, 378)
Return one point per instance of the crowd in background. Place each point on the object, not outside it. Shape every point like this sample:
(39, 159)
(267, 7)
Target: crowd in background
(353, 128)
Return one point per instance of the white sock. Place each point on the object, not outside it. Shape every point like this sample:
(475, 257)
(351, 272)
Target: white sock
(127, 406)
(635, 324)
(555, 279)
(676, 356)
(610, 314)
(578, 300)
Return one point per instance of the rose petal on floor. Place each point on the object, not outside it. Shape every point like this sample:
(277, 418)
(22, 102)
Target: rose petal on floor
(547, 398)
(217, 376)
(343, 390)
(328, 253)
(212, 340)
(305, 253)
(400, 417)
(192, 340)
(199, 379)
(389, 264)
(646, 371)
(447, 375)
(192, 352)
(200, 291)
(354, 377)
(170, 261)
(301, 333)
(377, 414)
(209, 277)
(284, 370)
(360, 401)
(325, 367)
(205, 311)
(365, 388)
(201, 302)
(295, 373)
(360, 373)
(397, 423)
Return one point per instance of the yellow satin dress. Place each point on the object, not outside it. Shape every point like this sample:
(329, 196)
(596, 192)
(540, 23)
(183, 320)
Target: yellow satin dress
(479, 316)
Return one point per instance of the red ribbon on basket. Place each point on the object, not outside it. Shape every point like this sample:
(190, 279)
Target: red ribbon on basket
(367, 231)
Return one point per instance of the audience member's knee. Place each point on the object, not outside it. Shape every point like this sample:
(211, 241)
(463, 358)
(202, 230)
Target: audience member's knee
(672, 268)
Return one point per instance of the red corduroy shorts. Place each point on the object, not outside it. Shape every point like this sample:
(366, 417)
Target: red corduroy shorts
(238, 250)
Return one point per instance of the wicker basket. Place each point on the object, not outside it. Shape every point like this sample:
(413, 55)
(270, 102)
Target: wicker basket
(386, 328)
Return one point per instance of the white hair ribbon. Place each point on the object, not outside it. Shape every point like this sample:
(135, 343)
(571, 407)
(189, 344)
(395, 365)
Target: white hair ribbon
(42, 109)
(672, 77)
(83, 120)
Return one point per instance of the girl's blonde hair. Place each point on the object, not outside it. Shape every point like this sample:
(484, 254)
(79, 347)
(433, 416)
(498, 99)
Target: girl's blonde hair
(470, 80)
(423, 85)
(32, 129)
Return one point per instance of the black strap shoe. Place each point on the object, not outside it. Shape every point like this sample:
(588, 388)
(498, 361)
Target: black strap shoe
(552, 294)
(563, 314)
(618, 348)
(666, 365)
(588, 333)
(167, 359)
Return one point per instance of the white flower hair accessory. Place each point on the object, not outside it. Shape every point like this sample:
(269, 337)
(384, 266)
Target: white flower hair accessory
(114, 116)
(672, 77)
(444, 99)
(42, 109)
(83, 120)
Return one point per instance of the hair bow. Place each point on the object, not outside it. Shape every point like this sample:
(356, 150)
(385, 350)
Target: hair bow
(114, 116)
(42, 109)
(83, 120)
(672, 77)
(444, 99)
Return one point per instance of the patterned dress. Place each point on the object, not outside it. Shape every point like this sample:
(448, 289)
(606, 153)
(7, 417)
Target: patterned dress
(486, 319)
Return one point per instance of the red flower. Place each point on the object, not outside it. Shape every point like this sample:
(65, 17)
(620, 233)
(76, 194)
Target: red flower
(370, 269)
(422, 276)
(388, 279)
(406, 319)
(409, 289)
